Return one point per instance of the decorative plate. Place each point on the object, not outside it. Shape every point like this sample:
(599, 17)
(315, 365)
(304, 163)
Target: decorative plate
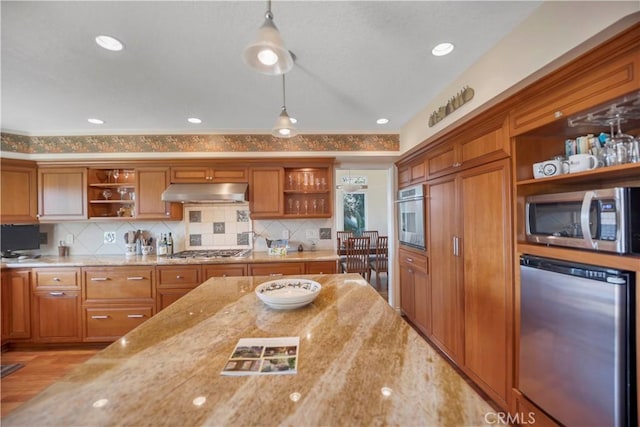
(287, 294)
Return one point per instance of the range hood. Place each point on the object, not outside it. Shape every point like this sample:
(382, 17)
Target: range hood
(206, 193)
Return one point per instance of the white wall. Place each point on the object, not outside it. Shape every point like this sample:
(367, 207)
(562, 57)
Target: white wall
(551, 36)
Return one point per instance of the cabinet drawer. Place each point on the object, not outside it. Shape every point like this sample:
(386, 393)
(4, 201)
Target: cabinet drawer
(321, 267)
(412, 259)
(45, 278)
(224, 270)
(108, 324)
(179, 276)
(276, 269)
(118, 284)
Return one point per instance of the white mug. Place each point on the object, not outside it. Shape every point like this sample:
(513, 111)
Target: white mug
(582, 162)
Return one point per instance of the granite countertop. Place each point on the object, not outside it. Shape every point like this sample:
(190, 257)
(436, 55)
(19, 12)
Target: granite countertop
(359, 363)
(121, 260)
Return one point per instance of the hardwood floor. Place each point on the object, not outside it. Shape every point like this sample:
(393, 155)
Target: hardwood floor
(41, 368)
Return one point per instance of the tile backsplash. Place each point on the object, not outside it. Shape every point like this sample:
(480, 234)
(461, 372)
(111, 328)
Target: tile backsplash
(218, 226)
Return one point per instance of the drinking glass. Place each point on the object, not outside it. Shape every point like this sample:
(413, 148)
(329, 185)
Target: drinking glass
(123, 191)
(290, 205)
(321, 205)
(116, 174)
(298, 207)
(306, 207)
(107, 194)
(622, 143)
(314, 204)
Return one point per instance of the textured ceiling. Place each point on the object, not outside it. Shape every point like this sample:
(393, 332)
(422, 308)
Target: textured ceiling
(356, 61)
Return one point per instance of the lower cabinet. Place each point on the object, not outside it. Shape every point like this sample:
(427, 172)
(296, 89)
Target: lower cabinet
(174, 282)
(112, 322)
(16, 304)
(414, 289)
(56, 305)
(276, 269)
(56, 316)
(223, 270)
(321, 267)
(116, 300)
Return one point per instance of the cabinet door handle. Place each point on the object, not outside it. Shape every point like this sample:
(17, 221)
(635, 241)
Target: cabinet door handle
(410, 270)
(457, 164)
(178, 277)
(224, 275)
(99, 279)
(135, 316)
(456, 246)
(409, 259)
(56, 279)
(56, 294)
(99, 317)
(135, 278)
(558, 114)
(275, 274)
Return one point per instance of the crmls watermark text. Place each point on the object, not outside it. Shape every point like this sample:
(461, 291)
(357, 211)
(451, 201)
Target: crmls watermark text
(504, 418)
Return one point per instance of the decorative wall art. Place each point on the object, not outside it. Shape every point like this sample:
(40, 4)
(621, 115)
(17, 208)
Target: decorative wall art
(457, 101)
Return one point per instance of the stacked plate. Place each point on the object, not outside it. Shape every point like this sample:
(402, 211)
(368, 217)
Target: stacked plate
(287, 294)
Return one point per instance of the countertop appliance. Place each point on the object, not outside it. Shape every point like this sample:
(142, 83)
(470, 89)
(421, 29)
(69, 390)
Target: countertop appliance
(411, 216)
(212, 253)
(577, 346)
(603, 220)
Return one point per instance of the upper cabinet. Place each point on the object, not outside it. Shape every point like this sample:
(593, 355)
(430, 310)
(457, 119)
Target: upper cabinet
(18, 192)
(62, 193)
(412, 172)
(294, 191)
(150, 183)
(195, 174)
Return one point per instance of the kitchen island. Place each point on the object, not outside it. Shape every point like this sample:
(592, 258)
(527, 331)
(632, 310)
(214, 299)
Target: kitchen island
(359, 363)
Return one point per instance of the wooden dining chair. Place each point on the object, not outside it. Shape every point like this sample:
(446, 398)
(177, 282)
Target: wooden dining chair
(342, 239)
(357, 256)
(371, 234)
(380, 264)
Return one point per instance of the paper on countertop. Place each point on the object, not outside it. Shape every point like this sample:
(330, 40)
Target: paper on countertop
(263, 356)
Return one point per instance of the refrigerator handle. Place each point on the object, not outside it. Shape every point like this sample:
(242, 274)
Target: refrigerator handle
(584, 219)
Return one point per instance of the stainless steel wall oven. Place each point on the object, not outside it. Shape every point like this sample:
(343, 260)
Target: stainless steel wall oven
(411, 216)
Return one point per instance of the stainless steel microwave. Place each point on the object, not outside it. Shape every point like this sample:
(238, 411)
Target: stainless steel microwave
(601, 220)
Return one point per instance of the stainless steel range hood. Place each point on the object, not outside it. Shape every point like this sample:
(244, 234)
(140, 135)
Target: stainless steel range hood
(206, 193)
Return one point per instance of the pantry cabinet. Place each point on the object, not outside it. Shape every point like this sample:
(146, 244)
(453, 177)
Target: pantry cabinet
(16, 304)
(62, 194)
(18, 192)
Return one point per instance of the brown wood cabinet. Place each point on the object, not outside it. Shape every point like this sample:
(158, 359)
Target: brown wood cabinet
(266, 192)
(175, 281)
(413, 171)
(115, 300)
(150, 184)
(276, 269)
(223, 270)
(62, 194)
(18, 192)
(470, 254)
(486, 143)
(111, 193)
(56, 305)
(195, 174)
(586, 84)
(307, 192)
(16, 305)
(321, 267)
(415, 292)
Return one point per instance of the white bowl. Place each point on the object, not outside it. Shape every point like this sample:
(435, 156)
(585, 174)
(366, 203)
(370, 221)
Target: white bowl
(287, 294)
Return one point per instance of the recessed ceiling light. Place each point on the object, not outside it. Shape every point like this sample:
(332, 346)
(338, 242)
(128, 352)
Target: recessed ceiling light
(95, 121)
(109, 43)
(442, 49)
(382, 121)
(293, 120)
(194, 120)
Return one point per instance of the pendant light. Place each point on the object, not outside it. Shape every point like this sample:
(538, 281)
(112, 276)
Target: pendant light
(350, 186)
(283, 127)
(267, 53)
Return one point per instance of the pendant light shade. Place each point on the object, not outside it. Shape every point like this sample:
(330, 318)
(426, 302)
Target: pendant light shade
(267, 53)
(283, 127)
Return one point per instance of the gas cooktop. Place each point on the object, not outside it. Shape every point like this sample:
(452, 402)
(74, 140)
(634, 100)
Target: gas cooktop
(212, 253)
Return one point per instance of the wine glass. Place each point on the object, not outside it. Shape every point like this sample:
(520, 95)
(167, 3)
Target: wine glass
(290, 205)
(298, 207)
(106, 193)
(116, 174)
(109, 176)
